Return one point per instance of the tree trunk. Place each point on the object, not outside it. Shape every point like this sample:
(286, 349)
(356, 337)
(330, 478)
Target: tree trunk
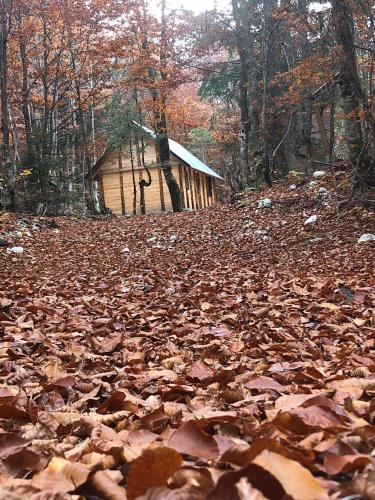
(242, 40)
(163, 154)
(268, 73)
(86, 160)
(5, 120)
(161, 129)
(30, 155)
(361, 151)
(306, 107)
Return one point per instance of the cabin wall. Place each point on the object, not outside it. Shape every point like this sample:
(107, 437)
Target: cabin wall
(117, 185)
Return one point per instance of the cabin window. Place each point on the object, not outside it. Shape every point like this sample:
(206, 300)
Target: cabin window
(209, 187)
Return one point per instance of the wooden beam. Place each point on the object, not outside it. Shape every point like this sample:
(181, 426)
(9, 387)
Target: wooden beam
(186, 175)
(191, 184)
(204, 191)
(181, 182)
(196, 189)
(122, 194)
(161, 189)
(198, 176)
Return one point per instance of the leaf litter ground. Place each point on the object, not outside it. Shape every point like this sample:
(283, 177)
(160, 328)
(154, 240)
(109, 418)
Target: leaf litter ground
(220, 354)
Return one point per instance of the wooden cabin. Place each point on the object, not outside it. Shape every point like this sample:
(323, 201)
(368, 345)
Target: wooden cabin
(119, 172)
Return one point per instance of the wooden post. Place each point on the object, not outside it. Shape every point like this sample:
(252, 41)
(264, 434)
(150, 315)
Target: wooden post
(186, 175)
(181, 182)
(191, 188)
(199, 189)
(214, 197)
(204, 190)
(122, 194)
(162, 202)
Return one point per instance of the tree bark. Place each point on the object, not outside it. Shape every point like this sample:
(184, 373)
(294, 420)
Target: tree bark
(361, 150)
(163, 154)
(268, 73)
(30, 154)
(86, 160)
(161, 128)
(349, 82)
(7, 163)
(242, 40)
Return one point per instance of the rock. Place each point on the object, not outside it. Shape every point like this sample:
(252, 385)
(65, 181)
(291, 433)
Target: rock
(260, 232)
(313, 184)
(365, 238)
(152, 401)
(126, 250)
(17, 234)
(151, 240)
(16, 250)
(316, 240)
(265, 203)
(249, 224)
(175, 237)
(323, 191)
(292, 187)
(144, 287)
(319, 173)
(311, 220)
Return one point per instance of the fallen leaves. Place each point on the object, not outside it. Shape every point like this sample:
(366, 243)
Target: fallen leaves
(153, 468)
(189, 439)
(226, 369)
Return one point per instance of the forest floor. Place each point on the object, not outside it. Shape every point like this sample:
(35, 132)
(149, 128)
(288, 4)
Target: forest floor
(221, 354)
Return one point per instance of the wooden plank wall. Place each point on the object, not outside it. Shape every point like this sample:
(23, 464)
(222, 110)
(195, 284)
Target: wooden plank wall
(194, 198)
(118, 192)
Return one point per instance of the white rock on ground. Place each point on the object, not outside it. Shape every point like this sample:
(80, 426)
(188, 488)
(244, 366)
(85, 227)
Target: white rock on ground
(318, 174)
(152, 240)
(15, 250)
(365, 238)
(323, 190)
(265, 203)
(292, 187)
(311, 220)
(260, 232)
(175, 237)
(313, 184)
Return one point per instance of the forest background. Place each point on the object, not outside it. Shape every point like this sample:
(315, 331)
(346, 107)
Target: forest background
(291, 81)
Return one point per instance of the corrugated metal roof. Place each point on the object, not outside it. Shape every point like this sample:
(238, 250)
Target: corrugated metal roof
(185, 155)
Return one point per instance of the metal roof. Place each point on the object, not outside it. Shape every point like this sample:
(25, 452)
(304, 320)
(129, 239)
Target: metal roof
(184, 155)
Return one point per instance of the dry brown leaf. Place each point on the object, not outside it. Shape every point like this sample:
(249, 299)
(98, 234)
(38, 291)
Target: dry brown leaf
(105, 488)
(297, 481)
(153, 468)
(189, 439)
(264, 384)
